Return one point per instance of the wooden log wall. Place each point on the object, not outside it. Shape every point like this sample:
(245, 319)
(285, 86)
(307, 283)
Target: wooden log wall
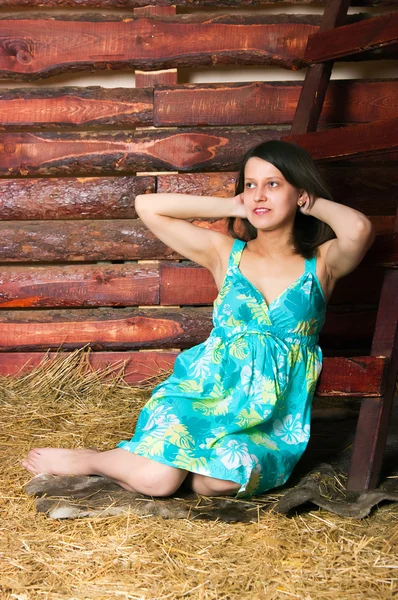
(77, 266)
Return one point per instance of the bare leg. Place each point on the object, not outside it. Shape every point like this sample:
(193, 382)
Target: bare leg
(131, 471)
(209, 486)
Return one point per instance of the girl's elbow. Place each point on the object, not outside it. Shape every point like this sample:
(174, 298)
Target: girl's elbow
(364, 229)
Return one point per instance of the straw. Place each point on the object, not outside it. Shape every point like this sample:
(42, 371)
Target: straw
(64, 402)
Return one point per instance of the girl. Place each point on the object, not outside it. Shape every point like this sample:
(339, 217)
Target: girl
(234, 416)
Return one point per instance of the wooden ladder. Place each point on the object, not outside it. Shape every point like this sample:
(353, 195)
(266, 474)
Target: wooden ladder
(336, 40)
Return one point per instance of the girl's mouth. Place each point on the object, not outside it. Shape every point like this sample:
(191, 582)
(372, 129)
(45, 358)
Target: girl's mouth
(261, 211)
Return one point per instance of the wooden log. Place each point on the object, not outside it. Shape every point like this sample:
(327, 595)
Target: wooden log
(371, 190)
(147, 150)
(348, 40)
(106, 240)
(379, 137)
(76, 106)
(181, 3)
(202, 149)
(37, 47)
(72, 197)
(79, 286)
(357, 376)
(251, 103)
(127, 328)
(165, 283)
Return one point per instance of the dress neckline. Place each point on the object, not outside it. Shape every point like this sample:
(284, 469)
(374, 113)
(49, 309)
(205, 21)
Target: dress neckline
(268, 305)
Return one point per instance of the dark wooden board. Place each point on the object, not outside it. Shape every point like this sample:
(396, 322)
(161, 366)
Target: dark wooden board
(349, 40)
(340, 376)
(378, 137)
(38, 46)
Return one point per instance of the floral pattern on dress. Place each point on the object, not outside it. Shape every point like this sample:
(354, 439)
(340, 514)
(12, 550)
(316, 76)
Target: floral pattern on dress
(237, 406)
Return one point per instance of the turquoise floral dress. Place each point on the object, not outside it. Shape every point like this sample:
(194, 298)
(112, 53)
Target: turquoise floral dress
(237, 406)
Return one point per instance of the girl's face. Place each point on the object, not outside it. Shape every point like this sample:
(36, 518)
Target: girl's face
(265, 187)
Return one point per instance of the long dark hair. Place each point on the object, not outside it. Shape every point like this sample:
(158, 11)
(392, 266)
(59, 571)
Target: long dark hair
(299, 169)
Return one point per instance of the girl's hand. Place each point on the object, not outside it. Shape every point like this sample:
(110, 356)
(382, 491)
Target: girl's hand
(240, 209)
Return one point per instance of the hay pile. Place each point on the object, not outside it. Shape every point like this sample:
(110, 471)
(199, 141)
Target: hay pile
(308, 556)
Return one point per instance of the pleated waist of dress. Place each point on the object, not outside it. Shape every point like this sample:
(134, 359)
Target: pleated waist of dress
(229, 334)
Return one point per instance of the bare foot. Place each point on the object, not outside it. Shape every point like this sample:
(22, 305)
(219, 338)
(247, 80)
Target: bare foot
(60, 461)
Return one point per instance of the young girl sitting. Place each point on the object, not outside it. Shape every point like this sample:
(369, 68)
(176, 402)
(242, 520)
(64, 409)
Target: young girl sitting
(234, 416)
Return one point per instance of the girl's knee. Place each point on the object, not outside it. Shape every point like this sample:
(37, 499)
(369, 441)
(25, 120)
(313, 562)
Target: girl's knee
(209, 486)
(160, 480)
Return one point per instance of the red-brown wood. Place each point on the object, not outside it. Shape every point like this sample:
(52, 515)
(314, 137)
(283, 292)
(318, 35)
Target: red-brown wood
(105, 240)
(371, 190)
(211, 149)
(145, 78)
(371, 34)
(36, 47)
(347, 329)
(181, 3)
(354, 140)
(132, 284)
(317, 77)
(76, 107)
(72, 198)
(251, 103)
(340, 376)
(258, 102)
(79, 286)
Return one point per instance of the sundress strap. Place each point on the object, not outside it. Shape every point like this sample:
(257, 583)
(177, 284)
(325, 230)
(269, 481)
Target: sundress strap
(238, 245)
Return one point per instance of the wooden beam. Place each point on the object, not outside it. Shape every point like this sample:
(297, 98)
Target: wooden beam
(371, 34)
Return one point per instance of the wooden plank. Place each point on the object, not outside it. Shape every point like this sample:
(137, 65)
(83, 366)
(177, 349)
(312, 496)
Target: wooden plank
(127, 328)
(367, 139)
(371, 34)
(89, 240)
(316, 81)
(79, 285)
(76, 107)
(180, 3)
(72, 197)
(212, 149)
(38, 47)
(145, 78)
(263, 103)
(340, 376)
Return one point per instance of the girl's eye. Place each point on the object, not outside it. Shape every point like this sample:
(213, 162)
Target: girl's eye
(249, 183)
(273, 182)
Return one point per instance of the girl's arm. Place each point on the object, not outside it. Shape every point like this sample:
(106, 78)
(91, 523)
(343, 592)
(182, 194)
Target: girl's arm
(355, 234)
(164, 215)
(188, 206)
